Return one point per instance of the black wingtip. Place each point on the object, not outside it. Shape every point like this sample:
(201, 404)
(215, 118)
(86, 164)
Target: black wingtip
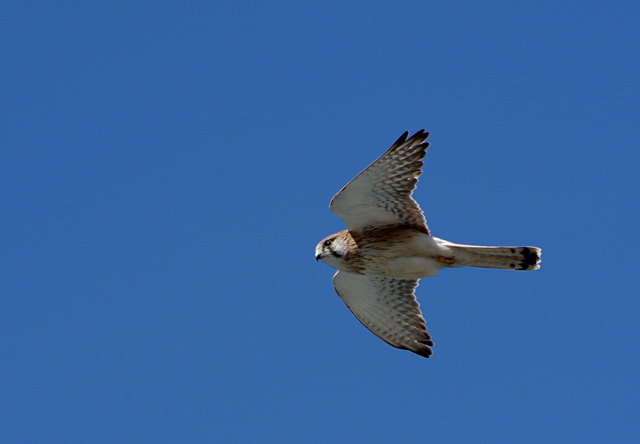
(419, 133)
(423, 347)
(425, 352)
(419, 137)
(402, 139)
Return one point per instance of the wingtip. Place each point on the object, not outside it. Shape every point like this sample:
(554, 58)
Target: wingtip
(421, 132)
(419, 137)
(402, 139)
(422, 347)
(425, 352)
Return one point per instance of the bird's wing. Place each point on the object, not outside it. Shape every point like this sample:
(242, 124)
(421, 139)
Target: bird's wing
(388, 307)
(381, 194)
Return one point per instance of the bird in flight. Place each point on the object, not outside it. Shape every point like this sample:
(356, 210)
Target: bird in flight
(387, 247)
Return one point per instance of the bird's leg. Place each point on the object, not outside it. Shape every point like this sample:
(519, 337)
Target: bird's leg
(446, 260)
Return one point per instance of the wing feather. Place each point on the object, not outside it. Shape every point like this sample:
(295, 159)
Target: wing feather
(381, 194)
(387, 307)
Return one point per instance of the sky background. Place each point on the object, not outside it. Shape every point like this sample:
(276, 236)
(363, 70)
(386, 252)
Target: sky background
(166, 169)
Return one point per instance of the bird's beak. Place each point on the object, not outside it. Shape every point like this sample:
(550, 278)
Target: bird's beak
(318, 256)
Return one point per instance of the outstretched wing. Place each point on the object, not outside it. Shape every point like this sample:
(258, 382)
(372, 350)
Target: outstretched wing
(388, 307)
(381, 194)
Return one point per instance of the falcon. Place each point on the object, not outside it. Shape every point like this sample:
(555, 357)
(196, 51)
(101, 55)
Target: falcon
(387, 247)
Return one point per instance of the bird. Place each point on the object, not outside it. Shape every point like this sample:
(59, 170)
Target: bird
(387, 247)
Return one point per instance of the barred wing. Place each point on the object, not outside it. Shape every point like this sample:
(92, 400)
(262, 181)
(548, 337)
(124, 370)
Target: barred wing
(381, 194)
(388, 307)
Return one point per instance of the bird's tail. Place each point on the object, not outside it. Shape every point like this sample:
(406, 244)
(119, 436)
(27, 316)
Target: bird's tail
(509, 258)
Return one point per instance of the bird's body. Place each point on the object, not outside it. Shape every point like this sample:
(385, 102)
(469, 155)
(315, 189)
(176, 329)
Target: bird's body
(404, 253)
(387, 247)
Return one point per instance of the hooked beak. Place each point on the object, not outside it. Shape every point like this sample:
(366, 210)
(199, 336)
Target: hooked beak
(319, 253)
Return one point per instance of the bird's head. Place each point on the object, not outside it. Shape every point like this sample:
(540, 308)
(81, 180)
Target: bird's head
(333, 250)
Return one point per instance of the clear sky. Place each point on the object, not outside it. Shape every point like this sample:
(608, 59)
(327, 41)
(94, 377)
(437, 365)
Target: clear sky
(166, 170)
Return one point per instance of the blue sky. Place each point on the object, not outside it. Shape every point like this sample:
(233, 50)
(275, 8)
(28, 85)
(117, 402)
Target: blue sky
(166, 170)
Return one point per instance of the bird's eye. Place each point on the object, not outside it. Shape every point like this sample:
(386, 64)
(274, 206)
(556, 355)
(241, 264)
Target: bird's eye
(327, 243)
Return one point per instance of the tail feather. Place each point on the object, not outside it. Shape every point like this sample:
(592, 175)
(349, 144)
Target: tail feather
(509, 258)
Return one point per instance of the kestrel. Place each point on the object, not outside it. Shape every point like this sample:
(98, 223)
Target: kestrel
(387, 247)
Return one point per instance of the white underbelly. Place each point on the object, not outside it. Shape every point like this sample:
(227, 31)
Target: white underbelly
(413, 267)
